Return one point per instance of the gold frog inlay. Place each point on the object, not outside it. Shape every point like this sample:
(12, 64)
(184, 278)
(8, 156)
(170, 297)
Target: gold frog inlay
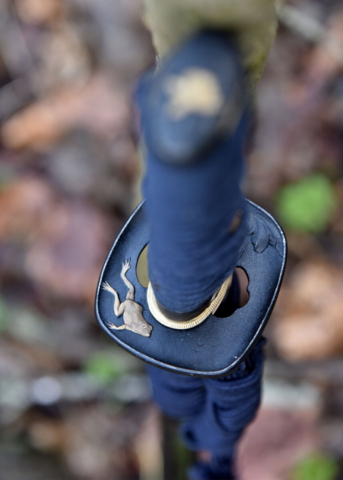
(132, 311)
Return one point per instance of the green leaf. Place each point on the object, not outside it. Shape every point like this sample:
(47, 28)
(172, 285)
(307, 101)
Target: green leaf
(104, 367)
(307, 205)
(316, 467)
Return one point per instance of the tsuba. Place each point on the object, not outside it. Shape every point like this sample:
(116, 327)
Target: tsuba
(217, 346)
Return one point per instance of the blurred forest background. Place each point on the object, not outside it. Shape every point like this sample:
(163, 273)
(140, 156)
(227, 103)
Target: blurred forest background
(72, 404)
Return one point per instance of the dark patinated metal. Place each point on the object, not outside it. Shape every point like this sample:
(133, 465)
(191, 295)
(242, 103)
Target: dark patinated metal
(217, 346)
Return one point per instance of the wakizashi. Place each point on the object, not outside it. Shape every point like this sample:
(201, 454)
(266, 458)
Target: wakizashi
(203, 347)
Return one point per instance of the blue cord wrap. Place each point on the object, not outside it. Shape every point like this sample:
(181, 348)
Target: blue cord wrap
(194, 170)
(214, 412)
(190, 209)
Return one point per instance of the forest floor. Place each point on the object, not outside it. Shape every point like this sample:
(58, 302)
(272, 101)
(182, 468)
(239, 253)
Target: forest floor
(72, 404)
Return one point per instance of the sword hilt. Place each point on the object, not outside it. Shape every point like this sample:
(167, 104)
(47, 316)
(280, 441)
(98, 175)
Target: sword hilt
(193, 123)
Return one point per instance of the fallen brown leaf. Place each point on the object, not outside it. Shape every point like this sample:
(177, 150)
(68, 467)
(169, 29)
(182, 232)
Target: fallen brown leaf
(310, 310)
(99, 105)
(39, 11)
(24, 205)
(67, 256)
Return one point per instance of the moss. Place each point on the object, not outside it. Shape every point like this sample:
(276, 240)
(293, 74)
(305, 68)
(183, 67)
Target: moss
(307, 205)
(315, 467)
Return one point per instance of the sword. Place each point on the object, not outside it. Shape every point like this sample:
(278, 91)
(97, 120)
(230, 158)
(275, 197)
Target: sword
(195, 219)
(194, 114)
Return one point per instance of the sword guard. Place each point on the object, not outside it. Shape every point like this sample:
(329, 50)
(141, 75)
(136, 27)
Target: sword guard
(216, 347)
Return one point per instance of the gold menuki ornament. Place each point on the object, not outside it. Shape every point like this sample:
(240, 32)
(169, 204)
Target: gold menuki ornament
(132, 311)
(194, 322)
(194, 91)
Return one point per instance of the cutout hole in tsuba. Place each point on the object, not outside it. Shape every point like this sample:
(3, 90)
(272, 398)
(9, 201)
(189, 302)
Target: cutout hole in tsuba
(243, 285)
(142, 267)
(227, 307)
